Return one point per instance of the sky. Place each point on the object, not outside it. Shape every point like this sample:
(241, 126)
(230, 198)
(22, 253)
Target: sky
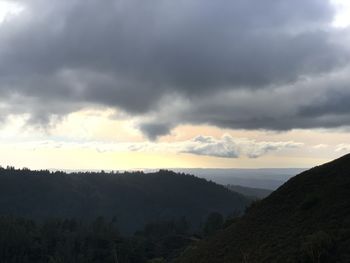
(131, 84)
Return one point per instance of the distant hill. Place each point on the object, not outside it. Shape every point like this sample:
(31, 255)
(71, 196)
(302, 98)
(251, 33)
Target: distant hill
(254, 193)
(305, 220)
(133, 198)
(266, 178)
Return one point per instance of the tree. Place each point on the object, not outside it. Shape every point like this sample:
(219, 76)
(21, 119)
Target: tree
(214, 222)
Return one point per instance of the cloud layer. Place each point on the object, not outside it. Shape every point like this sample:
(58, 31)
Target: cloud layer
(224, 147)
(250, 64)
(228, 147)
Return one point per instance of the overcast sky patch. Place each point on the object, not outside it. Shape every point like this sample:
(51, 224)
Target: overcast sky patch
(247, 64)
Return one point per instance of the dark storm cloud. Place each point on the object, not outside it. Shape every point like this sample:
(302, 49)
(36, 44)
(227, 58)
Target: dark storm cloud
(130, 54)
(154, 130)
(335, 103)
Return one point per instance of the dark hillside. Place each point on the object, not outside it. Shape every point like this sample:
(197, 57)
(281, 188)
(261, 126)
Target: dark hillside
(305, 220)
(253, 193)
(133, 198)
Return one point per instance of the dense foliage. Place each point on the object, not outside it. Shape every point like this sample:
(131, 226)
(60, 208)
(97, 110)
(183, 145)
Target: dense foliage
(76, 241)
(305, 220)
(24, 241)
(134, 199)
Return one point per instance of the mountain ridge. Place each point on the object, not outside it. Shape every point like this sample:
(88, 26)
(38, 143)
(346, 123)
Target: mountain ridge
(133, 198)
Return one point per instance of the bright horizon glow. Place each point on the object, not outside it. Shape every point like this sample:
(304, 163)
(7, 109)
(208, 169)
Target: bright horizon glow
(87, 140)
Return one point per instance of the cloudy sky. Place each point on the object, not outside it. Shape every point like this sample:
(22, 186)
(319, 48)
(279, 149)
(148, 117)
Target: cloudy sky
(125, 84)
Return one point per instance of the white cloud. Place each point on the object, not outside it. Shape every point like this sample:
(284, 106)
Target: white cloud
(320, 146)
(224, 147)
(343, 147)
(9, 9)
(255, 149)
(342, 18)
(228, 147)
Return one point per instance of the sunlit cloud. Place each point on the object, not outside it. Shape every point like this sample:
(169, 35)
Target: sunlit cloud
(320, 146)
(342, 18)
(344, 147)
(9, 9)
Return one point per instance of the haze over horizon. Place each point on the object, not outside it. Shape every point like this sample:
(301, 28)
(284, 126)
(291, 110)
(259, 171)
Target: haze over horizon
(91, 85)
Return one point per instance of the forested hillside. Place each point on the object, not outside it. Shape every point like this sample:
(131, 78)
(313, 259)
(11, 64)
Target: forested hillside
(305, 220)
(133, 199)
(254, 193)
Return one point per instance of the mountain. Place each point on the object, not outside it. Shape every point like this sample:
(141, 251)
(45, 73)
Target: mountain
(254, 193)
(133, 198)
(305, 220)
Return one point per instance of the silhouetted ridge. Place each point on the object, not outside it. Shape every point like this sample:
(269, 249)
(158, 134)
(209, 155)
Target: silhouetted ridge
(305, 220)
(133, 198)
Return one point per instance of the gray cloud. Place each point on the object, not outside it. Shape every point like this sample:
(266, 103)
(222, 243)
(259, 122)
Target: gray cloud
(317, 102)
(335, 102)
(154, 130)
(262, 148)
(238, 64)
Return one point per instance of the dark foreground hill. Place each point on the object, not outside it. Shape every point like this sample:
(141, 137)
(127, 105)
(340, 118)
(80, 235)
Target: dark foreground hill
(305, 220)
(134, 199)
(253, 193)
